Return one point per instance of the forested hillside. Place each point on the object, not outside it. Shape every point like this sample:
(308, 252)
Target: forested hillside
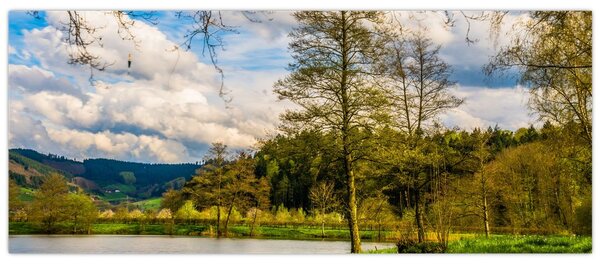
(100, 176)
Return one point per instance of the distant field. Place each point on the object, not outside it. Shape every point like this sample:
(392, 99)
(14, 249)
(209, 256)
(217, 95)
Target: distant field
(149, 204)
(26, 194)
(114, 196)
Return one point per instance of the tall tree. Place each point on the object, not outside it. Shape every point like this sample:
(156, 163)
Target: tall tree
(48, 206)
(420, 80)
(332, 82)
(81, 212)
(206, 188)
(242, 189)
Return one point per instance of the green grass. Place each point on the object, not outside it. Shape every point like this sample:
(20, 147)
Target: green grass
(26, 194)
(522, 244)
(149, 204)
(114, 196)
(301, 233)
(292, 233)
(382, 251)
(124, 188)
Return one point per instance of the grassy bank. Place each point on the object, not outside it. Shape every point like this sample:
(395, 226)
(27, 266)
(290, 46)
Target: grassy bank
(515, 244)
(293, 233)
(522, 244)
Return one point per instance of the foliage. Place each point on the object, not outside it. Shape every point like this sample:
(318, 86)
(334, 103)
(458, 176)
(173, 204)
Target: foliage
(48, 207)
(412, 246)
(187, 211)
(128, 177)
(81, 212)
(552, 52)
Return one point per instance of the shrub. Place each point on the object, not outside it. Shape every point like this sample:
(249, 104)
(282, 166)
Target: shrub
(412, 246)
(583, 217)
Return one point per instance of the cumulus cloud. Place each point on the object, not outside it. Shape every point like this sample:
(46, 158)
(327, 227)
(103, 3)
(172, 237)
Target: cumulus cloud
(34, 79)
(483, 107)
(166, 107)
(168, 98)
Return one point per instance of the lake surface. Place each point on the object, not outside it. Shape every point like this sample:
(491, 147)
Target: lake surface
(108, 244)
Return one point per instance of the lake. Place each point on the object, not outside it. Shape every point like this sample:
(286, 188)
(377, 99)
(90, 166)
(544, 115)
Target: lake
(119, 244)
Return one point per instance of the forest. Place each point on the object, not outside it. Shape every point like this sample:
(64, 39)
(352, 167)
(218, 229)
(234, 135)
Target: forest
(364, 155)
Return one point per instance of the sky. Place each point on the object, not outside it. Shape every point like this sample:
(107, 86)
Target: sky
(167, 108)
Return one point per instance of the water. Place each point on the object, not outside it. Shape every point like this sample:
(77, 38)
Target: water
(104, 244)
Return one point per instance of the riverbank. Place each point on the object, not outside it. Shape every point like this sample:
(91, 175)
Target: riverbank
(270, 232)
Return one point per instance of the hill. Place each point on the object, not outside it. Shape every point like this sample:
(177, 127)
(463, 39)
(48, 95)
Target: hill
(110, 179)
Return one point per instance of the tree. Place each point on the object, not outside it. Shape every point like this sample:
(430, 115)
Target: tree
(323, 198)
(378, 211)
(187, 212)
(172, 200)
(128, 177)
(243, 188)
(80, 212)
(260, 200)
(552, 53)
(332, 81)
(421, 83)
(207, 187)
(537, 188)
(476, 193)
(14, 203)
(48, 206)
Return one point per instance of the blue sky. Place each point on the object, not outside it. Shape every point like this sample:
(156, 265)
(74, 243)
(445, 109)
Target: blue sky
(167, 107)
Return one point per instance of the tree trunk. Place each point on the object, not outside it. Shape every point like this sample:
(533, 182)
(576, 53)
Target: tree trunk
(486, 222)
(322, 222)
(344, 83)
(419, 216)
(353, 220)
(228, 216)
(219, 220)
(253, 222)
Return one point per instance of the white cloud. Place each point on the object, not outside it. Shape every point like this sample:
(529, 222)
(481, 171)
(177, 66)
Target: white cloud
(109, 144)
(34, 79)
(168, 109)
(483, 107)
(12, 50)
(168, 98)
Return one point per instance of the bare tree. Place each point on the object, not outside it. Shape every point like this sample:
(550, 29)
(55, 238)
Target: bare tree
(421, 82)
(324, 200)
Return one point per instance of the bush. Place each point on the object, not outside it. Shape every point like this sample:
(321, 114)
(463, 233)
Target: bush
(412, 246)
(583, 217)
